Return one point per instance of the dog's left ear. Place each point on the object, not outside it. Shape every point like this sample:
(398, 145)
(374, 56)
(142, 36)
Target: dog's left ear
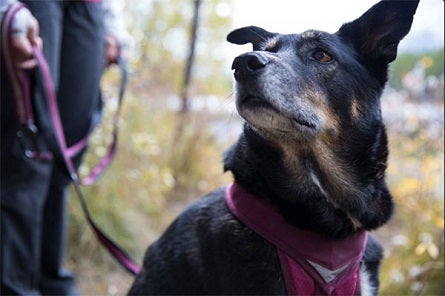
(252, 34)
(377, 33)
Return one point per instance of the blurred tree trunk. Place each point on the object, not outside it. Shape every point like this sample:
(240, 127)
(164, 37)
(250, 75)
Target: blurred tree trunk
(183, 120)
(190, 59)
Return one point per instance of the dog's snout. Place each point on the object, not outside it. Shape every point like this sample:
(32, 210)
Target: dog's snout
(248, 64)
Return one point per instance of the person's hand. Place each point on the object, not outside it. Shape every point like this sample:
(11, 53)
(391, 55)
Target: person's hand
(112, 50)
(25, 34)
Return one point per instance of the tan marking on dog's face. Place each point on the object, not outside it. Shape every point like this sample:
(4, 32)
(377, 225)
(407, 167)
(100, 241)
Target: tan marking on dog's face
(355, 109)
(330, 122)
(336, 172)
(331, 128)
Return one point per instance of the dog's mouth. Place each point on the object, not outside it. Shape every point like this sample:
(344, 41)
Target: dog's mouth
(254, 103)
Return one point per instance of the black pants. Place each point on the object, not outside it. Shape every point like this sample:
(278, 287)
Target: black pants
(33, 191)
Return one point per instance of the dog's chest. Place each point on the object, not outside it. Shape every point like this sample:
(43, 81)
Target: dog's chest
(310, 264)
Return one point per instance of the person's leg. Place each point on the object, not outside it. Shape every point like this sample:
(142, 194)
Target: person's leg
(24, 182)
(81, 67)
(54, 279)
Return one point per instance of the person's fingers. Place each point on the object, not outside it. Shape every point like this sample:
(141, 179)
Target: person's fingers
(21, 53)
(38, 42)
(112, 50)
(33, 33)
(27, 65)
(21, 49)
(22, 46)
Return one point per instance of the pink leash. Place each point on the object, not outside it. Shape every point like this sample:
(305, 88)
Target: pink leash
(49, 119)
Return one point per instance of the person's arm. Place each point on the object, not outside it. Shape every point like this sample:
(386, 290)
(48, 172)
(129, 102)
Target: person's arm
(25, 34)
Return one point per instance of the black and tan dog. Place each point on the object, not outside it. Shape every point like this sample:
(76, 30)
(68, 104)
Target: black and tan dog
(314, 149)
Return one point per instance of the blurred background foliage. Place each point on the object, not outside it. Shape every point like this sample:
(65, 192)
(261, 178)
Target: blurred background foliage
(157, 172)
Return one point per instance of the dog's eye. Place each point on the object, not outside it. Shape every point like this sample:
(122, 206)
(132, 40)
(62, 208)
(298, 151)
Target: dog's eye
(321, 56)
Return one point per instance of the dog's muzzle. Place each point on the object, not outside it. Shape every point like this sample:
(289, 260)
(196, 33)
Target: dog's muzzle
(248, 64)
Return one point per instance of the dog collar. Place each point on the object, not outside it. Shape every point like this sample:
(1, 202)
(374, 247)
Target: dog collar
(311, 263)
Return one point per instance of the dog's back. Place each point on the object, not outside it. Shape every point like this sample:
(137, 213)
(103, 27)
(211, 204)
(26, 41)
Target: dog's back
(314, 148)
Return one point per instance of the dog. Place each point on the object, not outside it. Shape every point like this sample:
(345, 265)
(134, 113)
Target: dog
(309, 170)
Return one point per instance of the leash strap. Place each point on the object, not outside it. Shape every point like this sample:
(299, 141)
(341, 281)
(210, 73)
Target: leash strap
(100, 167)
(59, 148)
(45, 105)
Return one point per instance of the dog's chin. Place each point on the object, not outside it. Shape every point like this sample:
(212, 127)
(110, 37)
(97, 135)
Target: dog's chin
(262, 115)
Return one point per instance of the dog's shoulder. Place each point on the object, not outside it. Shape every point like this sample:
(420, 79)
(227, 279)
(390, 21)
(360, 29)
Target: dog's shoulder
(200, 221)
(177, 260)
(206, 218)
(209, 225)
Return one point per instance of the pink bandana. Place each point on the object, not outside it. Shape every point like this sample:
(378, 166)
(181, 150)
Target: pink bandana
(311, 264)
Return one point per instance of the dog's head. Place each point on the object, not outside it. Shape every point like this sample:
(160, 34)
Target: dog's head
(316, 97)
(309, 84)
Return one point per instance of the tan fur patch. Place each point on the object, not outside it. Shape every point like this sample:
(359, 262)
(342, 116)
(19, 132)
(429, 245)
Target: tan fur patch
(270, 43)
(330, 125)
(355, 109)
(337, 173)
(339, 185)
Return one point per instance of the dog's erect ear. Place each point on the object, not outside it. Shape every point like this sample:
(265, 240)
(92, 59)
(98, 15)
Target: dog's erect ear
(252, 34)
(377, 33)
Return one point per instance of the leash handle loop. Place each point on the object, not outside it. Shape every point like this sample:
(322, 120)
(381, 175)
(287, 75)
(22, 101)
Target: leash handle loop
(106, 160)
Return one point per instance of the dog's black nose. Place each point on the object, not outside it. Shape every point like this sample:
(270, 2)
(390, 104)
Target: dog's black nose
(248, 64)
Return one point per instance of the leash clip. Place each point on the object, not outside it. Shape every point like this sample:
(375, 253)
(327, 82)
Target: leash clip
(28, 138)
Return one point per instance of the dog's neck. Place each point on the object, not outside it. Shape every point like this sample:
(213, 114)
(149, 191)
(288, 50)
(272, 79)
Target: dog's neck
(307, 190)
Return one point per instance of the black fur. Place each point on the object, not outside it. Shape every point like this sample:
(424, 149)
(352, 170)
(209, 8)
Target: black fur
(314, 146)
